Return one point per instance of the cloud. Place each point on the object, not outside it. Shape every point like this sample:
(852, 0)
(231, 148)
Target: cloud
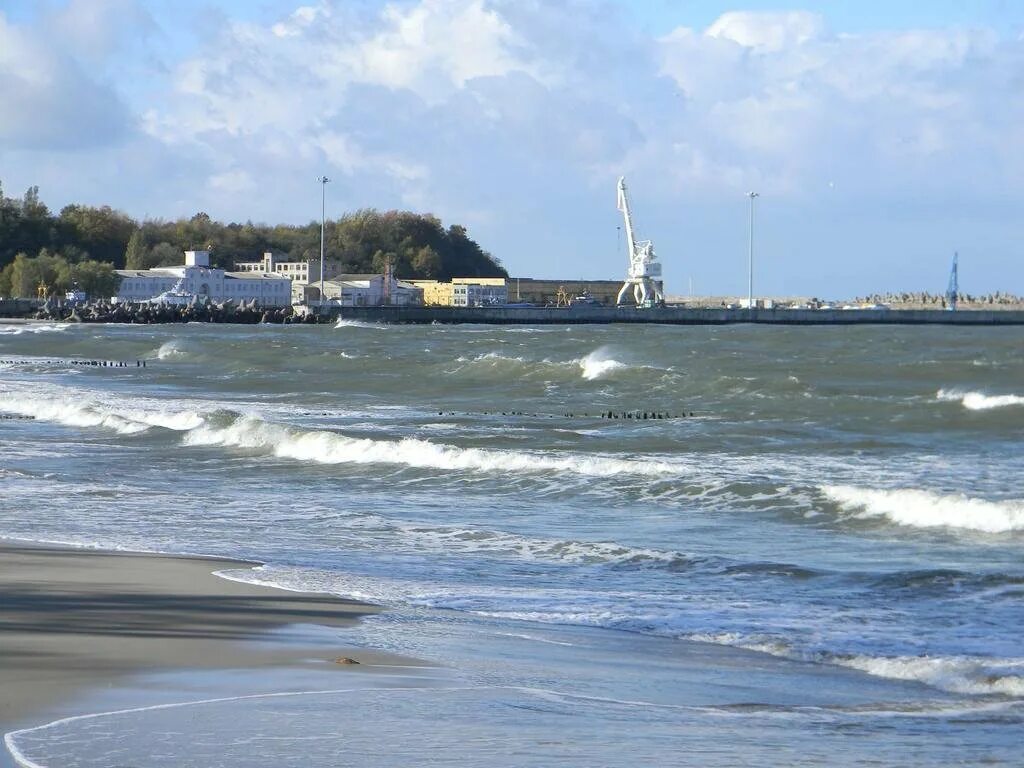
(49, 100)
(516, 116)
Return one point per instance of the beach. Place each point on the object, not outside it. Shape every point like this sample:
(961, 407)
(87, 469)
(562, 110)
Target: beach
(76, 619)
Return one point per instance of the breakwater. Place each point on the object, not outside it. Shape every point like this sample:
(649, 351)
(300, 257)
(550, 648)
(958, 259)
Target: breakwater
(196, 311)
(597, 315)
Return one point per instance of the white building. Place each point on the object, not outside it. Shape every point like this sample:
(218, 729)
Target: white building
(197, 278)
(368, 291)
(479, 291)
(301, 273)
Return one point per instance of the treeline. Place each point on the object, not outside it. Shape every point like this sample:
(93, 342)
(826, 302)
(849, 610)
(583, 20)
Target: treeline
(83, 245)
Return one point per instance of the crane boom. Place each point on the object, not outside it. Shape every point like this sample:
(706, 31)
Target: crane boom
(643, 264)
(623, 205)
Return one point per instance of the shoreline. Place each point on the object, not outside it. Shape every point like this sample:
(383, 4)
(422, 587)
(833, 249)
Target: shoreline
(75, 620)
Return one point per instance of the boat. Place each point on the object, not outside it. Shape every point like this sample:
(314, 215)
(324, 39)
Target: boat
(176, 296)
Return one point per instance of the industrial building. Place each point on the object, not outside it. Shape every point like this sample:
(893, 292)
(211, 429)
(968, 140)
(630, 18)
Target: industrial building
(366, 291)
(197, 278)
(301, 273)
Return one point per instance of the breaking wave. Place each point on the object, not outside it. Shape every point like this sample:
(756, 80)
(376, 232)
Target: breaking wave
(170, 350)
(19, 329)
(979, 401)
(343, 323)
(954, 674)
(599, 364)
(125, 421)
(253, 433)
(925, 509)
(957, 674)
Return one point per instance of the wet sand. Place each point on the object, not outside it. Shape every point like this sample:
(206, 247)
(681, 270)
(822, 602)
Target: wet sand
(73, 619)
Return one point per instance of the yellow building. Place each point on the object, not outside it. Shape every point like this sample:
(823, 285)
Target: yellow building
(435, 293)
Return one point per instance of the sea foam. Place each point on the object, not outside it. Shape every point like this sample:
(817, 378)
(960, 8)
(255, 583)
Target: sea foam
(253, 433)
(979, 401)
(86, 413)
(599, 364)
(926, 509)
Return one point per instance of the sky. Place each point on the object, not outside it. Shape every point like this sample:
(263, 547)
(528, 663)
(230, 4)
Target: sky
(880, 136)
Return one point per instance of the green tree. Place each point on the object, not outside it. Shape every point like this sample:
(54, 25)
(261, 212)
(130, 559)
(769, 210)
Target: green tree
(426, 262)
(136, 251)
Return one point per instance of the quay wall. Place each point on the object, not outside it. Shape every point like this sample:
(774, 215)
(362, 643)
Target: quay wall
(596, 315)
(19, 307)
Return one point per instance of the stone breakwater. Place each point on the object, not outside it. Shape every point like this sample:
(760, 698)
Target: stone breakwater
(196, 311)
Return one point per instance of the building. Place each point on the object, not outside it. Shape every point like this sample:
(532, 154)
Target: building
(546, 292)
(197, 278)
(301, 273)
(464, 292)
(435, 293)
(479, 291)
(366, 291)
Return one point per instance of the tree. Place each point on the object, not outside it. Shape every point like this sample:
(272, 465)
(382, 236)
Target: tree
(136, 252)
(426, 262)
(97, 279)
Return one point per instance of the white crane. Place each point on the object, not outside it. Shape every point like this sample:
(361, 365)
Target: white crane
(643, 264)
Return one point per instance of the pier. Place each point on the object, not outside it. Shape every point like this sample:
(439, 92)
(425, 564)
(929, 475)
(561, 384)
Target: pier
(670, 315)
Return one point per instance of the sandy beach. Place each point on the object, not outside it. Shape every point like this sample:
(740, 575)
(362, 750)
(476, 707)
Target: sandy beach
(74, 619)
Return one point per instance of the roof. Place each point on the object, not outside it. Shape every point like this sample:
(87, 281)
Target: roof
(155, 272)
(255, 276)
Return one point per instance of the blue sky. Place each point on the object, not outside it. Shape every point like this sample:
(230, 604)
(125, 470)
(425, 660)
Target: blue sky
(881, 136)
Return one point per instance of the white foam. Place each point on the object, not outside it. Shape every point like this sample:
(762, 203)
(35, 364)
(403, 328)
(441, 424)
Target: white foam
(78, 412)
(956, 674)
(925, 509)
(343, 323)
(19, 329)
(979, 401)
(599, 364)
(170, 350)
(251, 432)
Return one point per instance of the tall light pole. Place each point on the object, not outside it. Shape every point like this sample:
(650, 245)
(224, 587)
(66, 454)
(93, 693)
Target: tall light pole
(323, 222)
(750, 254)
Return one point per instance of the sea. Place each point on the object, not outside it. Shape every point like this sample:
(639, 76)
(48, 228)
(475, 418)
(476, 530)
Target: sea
(613, 545)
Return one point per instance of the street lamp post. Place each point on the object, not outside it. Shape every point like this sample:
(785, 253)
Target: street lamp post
(750, 254)
(323, 221)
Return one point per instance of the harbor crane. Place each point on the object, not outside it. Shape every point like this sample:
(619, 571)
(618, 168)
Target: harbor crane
(953, 290)
(643, 264)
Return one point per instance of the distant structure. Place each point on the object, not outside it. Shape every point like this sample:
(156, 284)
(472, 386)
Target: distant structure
(299, 272)
(643, 264)
(953, 290)
(197, 279)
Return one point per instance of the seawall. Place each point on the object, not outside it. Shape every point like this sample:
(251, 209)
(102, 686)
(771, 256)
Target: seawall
(591, 315)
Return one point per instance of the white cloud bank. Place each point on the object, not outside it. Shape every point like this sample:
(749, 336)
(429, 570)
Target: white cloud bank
(502, 112)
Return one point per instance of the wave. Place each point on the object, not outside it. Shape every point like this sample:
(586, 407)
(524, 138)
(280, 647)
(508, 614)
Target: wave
(599, 364)
(253, 433)
(979, 401)
(19, 329)
(77, 413)
(343, 323)
(955, 674)
(248, 431)
(170, 350)
(925, 509)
